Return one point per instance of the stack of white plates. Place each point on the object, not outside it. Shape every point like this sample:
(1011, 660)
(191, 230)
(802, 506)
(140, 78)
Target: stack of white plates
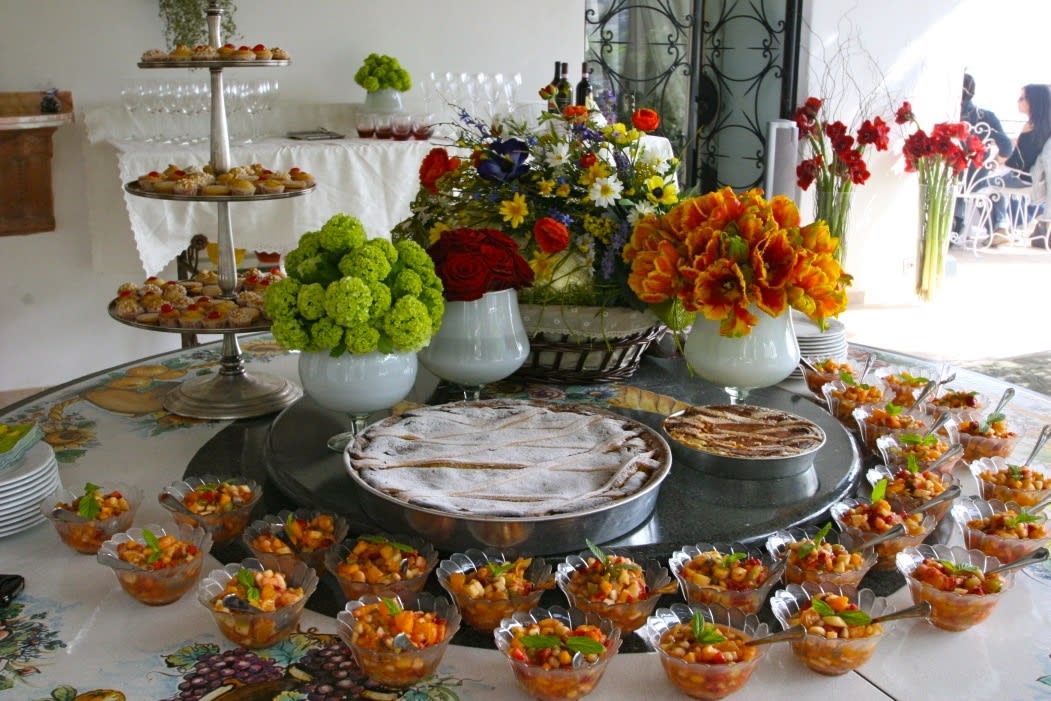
(22, 487)
(818, 344)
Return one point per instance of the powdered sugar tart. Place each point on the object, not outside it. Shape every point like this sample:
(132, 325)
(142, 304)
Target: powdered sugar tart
(509, 458)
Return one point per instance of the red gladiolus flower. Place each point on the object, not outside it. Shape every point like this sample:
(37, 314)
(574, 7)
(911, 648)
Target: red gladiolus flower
(645, 119)
(904, 113)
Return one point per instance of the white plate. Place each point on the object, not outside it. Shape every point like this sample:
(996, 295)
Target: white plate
(35, 462)
(28, 501)
(18, 528)
(44, 475)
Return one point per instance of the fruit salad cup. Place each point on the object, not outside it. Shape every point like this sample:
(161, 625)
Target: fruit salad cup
(907, 490)
(85, 519)
(729, 574)
(843, 398)
(864, 520)
(982, 438)
(392, 565)
(221, 505)
(821, 371)
(903, 384)
(253, 605)
(1004, 531)
(840, 634)
(568, 661)
(157, 564)
(899, 450)
(888, 419)
(1003, 479)
(701, 648)
(304, 535)
(953, 581)
(613, 586)
(491, 585)
(398, 641)
(821, 556)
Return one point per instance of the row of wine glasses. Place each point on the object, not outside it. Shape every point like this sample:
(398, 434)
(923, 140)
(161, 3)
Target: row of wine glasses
(178, 111)
(483, 95)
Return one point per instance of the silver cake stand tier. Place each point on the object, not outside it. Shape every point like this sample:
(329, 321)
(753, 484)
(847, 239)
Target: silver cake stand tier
(232, 393)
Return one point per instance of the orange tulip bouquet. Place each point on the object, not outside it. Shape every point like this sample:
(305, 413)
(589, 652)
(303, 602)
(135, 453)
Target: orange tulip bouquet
(730, 257)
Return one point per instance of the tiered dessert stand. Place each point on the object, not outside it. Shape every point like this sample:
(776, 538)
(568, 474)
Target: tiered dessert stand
(231, 393)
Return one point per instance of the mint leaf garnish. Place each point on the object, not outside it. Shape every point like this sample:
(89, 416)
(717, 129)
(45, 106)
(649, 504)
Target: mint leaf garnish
(879, 490)
(381, 540)
(539, 642)
(499, 569)
(155, 545)
(87, 506)
(585, 645)
(392, 606)
(704, 632)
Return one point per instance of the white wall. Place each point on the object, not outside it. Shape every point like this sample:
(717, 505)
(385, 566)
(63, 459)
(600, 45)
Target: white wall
(54, 286)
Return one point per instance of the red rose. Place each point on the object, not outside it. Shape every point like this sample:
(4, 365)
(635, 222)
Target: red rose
(588, 160)
(436, 164)
(645, 119)
(465, 275)
(551, 235)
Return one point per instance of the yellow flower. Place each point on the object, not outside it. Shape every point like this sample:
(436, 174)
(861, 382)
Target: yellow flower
(435, 232)
(563, 190)
(545, 187)
(660, 192)
(514, 210)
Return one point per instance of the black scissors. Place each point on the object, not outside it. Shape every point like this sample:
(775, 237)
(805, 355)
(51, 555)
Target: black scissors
(11, 585)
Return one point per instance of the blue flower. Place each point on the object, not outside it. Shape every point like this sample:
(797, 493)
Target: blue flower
(504, 161)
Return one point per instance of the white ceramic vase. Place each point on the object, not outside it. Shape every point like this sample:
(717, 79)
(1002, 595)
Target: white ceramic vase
(764, 357)
(385, 101)
(356, 384)
(479, 341)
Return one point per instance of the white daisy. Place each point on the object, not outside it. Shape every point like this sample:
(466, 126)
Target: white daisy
(640, 210)
(605, 191)
(558, 156)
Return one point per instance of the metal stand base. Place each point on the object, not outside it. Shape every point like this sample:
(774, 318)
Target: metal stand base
(232, 396)
(232, 393)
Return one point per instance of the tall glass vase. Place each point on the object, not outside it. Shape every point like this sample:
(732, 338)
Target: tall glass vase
(480, 341)
(833, 205)
(935, 222)
(764, 357)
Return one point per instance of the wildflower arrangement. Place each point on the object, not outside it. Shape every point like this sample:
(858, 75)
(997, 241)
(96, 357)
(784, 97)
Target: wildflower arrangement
(381, 71)
(940, 158)
(836, 162)
(471, 262)
(346, 293)
(566, 189)
(726, 255)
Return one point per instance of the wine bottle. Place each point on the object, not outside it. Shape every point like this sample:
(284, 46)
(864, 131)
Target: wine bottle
(564, 96)
(585, 97)
(552, 88)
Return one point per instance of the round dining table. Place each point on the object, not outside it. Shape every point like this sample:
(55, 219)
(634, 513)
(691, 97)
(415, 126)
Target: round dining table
(72, 633)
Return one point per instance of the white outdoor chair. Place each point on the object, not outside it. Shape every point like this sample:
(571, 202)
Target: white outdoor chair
(1023, 226)
(977, 196)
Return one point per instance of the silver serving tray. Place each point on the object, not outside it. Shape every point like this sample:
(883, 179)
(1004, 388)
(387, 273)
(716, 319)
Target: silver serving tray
(540, 535)
(743, 468)
(112, 309)
(134, 189)
(214, 63)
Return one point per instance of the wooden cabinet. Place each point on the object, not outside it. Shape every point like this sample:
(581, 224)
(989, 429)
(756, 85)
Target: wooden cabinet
(26, 200)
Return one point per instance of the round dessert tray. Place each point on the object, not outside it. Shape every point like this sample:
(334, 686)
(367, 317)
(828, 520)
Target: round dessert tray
(134, 188)
(692, 506)
(214, 63)
(112, 309)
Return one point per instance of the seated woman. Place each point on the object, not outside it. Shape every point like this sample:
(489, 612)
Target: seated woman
(1035, 103)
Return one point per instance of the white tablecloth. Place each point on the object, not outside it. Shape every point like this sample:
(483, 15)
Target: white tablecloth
(374, 180)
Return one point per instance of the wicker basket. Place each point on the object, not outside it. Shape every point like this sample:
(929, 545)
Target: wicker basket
(581, 345)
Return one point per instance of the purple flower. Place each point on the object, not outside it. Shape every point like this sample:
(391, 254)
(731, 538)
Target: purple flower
(504, 161)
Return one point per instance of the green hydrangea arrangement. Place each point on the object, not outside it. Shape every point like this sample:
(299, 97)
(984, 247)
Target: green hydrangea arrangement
(346, 293)
(380, 71)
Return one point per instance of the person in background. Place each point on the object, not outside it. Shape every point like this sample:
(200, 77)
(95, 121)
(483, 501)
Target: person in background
(974, 115)
(1034, 102)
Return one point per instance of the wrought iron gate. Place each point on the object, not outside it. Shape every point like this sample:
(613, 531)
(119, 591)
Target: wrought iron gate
(717, 70)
